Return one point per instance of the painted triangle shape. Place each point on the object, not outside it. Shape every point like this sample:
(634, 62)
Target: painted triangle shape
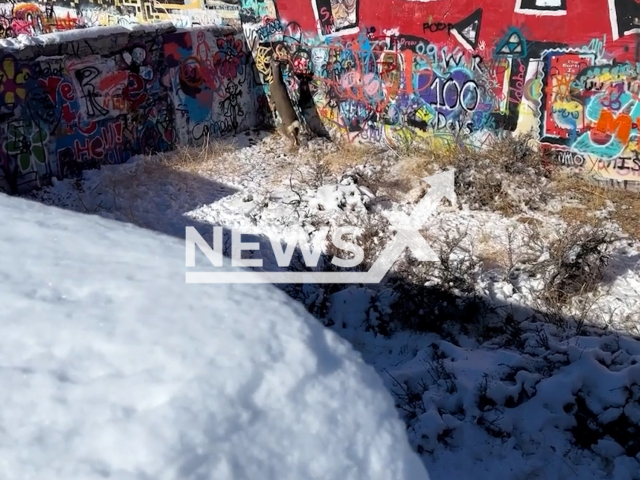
(469, 28)
(512, 43)
(471, 31)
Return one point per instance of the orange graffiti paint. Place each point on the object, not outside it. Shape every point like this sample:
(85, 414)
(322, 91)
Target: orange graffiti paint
(619, 125)
(408, 70)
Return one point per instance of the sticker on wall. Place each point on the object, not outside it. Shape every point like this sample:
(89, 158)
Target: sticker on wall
(336, 17)
(253, 11)
(541, 7)
(625, 17)
(467, 30)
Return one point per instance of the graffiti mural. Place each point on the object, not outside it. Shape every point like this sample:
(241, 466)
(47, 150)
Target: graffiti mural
(391, 71)
(399, 71)
(63, 114)
(49, 16)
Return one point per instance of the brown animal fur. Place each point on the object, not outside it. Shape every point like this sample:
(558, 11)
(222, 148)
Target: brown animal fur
(279, 100)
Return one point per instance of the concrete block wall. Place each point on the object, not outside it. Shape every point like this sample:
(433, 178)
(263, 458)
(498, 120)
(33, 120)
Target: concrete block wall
(76, 100)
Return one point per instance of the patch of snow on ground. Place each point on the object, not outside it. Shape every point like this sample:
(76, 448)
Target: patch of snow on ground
(113, 367)
(557, 404)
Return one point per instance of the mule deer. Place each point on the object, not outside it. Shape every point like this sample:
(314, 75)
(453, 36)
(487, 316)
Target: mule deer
(279, 100)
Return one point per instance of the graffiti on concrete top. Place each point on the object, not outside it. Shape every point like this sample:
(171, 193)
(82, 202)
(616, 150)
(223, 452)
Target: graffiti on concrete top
(60, 115)
(41, 17)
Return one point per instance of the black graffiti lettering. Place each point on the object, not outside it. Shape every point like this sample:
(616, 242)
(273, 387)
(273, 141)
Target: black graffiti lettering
(39, 71)
(85, 76)
(434, 27)
(568, 159)
(627, 163)
(213, 129)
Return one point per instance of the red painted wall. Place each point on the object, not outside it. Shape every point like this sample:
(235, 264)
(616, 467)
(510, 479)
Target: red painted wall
(584, 20)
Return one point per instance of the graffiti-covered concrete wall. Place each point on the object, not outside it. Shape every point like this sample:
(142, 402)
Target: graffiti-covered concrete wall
(47, 16)
(100, 99)
(397, 71)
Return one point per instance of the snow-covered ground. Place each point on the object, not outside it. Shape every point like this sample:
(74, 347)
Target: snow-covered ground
(112, 367)
(537, 400)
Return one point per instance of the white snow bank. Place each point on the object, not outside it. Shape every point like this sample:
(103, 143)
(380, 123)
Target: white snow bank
(24, 40)
(112, 367)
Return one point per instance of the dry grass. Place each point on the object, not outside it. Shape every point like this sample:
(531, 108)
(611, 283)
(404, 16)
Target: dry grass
(349, 156)
(367, 164)
(211, 157)
(492, 253)
(428, 158)
(519, 245)
(214, 156)
(135, 186)
(418, 166)
(509, 175)
(173, 177)
(592, 198)
(395, 189)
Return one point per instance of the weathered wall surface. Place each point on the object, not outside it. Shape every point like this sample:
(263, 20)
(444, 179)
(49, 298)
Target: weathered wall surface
(390, 71)
(48, 16)
(397, 71)
(76, 104)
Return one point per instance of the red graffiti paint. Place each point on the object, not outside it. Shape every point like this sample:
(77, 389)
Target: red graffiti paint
(108, 139)
(581, 22)
(134, 92)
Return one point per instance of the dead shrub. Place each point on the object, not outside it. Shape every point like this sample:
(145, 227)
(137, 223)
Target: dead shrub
(317, 297)
(457, 269)
(435, 296)
(372, 240)
(502, 255)
(317, 172)
(373, 168)
(382, 184)
(312, 173)
(576, 263)
(509, 175)
(409, 396)
(375, 234)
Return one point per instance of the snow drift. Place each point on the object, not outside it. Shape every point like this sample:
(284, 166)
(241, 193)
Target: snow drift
(112, 367)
